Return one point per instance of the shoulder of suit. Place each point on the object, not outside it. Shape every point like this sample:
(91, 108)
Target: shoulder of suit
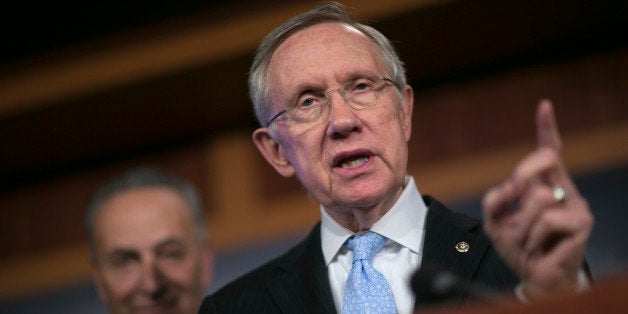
(438, 211)
(256, 279)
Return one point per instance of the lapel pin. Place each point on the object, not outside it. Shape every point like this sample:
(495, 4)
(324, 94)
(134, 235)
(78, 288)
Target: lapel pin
(462, 247)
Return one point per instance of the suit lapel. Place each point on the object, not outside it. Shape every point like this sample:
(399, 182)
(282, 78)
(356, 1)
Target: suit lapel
(444, 230)
(304, 288)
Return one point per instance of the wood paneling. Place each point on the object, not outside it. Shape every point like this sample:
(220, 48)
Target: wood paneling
(50, 214)
(495, 110)
(147, 90)
(239, 213)
(177, 99)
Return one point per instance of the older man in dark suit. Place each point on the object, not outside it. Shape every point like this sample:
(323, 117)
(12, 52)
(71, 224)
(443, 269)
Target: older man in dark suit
(335, 110)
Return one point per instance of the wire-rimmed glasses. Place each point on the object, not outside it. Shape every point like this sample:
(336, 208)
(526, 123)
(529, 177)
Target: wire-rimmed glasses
(311, 106)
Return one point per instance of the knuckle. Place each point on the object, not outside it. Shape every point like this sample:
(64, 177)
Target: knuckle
(549, 219)
(541, 194)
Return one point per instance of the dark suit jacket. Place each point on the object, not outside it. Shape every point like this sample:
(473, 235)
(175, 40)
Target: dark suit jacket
(297, 281)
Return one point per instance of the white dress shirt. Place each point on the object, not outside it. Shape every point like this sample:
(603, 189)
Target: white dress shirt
(403, 225)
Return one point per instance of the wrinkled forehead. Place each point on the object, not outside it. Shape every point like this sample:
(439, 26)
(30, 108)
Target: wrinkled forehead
(320, 53)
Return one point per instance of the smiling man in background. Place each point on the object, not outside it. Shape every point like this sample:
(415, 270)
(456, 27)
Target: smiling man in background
(148, 244)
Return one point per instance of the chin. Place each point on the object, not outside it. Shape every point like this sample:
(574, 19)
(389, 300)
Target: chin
(371, 195)
(361, 198)
(155, 310)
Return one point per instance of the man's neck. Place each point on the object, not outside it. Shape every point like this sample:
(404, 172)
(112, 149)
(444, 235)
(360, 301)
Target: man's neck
(359, 219)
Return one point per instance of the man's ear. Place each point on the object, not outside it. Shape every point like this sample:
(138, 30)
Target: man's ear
(272, 152)
(407, 104)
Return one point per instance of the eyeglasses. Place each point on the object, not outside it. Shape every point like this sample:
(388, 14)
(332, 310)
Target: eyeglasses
(311, 106)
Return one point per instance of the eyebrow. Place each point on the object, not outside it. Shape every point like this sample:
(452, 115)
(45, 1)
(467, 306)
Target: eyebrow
(116, 253)
(161, 244)
(121, 251)
(305, 87)
(168, 241)
(351, 76)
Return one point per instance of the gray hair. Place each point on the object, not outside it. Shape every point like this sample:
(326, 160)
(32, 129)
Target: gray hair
(326, 13)
(143, 178)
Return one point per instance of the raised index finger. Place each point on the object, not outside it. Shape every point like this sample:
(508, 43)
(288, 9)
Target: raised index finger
(548, 137)
(546, 126)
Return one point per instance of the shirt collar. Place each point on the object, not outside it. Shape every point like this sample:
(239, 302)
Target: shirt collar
(403, 224)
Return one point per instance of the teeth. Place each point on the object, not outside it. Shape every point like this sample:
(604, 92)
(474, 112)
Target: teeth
(354, 163)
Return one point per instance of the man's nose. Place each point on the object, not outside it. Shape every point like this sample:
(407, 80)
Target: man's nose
(151, 279)
(342, 117)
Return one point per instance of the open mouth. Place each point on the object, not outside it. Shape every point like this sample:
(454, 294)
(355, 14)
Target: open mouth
(352, 160)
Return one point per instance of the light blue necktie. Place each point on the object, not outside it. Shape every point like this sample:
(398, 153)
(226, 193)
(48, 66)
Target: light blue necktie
(366, 290)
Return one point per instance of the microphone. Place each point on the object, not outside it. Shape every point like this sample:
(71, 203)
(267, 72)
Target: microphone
(433, 285)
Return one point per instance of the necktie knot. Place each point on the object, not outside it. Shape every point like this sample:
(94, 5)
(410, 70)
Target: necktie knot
(365, 245)
(366, 289)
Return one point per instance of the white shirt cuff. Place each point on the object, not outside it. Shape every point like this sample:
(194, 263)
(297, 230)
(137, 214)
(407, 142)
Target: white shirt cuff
(582, 285)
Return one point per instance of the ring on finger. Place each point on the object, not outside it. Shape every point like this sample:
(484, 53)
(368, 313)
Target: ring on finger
(559, 194)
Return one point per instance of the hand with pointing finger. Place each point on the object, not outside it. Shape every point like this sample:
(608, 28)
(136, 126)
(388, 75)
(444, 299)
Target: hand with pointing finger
(537, 220)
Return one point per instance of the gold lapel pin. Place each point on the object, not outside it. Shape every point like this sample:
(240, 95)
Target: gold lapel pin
(462, 247)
